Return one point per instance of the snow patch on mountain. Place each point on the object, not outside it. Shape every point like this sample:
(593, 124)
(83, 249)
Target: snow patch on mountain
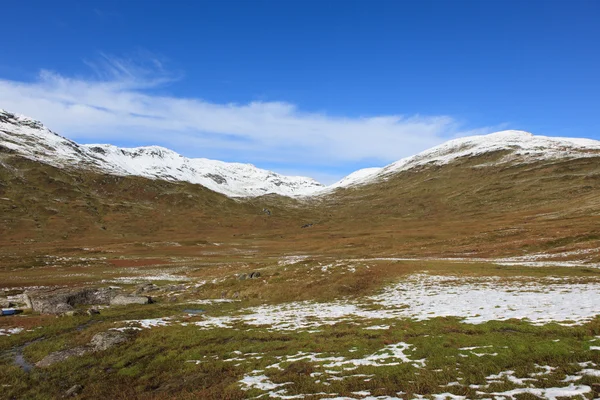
(33, 140)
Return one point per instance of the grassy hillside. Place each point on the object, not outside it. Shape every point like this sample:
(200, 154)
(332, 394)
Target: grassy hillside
(470, 207)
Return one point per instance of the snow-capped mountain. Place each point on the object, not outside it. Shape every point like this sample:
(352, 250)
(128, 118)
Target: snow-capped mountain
(520, 146)
(33, 140)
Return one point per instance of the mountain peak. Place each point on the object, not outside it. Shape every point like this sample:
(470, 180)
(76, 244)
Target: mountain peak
(20, 120)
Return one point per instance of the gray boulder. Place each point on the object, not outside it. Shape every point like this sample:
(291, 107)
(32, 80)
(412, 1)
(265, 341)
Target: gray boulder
(105, 340)
(123, 300)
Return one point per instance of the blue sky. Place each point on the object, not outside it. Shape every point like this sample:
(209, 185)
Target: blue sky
(318, 88)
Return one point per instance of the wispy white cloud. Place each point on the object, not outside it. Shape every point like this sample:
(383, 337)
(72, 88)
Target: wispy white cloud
(116, 105)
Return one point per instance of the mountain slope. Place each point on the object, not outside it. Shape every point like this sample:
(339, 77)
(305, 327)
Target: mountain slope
(33, 140)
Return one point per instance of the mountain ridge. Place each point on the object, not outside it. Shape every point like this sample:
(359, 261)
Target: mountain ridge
(33, 140)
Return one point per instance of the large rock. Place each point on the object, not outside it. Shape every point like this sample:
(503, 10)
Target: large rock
(60, 301)
(122, 300)
(105, 340)
(5, 303)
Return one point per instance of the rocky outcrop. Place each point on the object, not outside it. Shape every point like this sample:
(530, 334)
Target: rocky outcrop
(100, 342)
(61, 301)
(62, 355)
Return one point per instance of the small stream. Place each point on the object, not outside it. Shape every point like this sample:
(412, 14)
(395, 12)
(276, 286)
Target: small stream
(16, 354)
(20, 360)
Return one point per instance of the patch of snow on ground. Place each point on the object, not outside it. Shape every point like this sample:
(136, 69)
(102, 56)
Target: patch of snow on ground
(545, 393)
(561, 259)
(148, 323)
(377, 327)
(146, 278)
(509, 376)
(289, 260)
(485, 299)
(392, 354)
(10, 331)
(261, 382)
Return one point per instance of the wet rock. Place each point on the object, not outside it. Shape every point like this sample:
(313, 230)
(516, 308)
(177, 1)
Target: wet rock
(62, 355)
(123, 300)
(105, 340)
(73, 391)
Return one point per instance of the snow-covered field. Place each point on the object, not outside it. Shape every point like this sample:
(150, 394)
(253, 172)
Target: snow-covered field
(421, 297)
(418, 297)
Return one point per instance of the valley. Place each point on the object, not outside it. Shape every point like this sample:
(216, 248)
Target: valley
(469, 271)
